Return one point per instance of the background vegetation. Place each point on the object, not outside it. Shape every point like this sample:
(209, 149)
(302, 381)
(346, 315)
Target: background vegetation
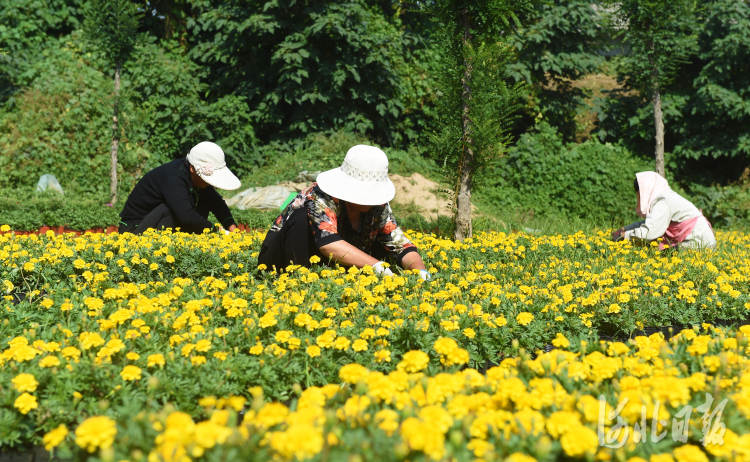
(289, 85)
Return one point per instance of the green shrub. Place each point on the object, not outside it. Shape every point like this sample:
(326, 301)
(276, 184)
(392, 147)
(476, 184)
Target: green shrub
(546, 177)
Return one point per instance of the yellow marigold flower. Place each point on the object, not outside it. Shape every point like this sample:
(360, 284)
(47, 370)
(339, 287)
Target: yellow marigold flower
(47, 303)
(79, 264)
(283, 336)
(90, 340)
(690, 453)
(314, 259)
(414, 361)
(169, 259)
(133, 356)
(665, 457)
(203, 345)
(25, 382)
(198, 360)
(524, 318)
(25, 403)
(445, 345)
(207, 401)
(267, 320)
(256, 349)
(469, 332)
(342, 343)
(359, 345)
(313, 351)
(271, 414)
(382, 356)
(153, 266)
(480, 447)
(53, 439)
(155, 360)
(299, 441)
(220, 355)
(24, 353)
(49, 361)
(388, 421)
(131, 372)
(614, 308)
(579, 441)
(71, 352)
(353, 373)
(5, 228)
(560, 341)
(96, 432)
(519, 457)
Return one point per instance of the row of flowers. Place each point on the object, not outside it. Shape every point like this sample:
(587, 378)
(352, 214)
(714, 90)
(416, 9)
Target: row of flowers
(685, 400)
(112, 326)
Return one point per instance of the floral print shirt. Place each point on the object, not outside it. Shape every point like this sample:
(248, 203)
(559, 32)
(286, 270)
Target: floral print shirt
(330, 223)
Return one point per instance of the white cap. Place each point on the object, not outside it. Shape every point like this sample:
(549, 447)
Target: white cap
(208, 160)
(362, 178)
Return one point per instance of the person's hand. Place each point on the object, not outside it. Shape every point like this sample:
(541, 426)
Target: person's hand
(380, 268)
(425, 275)
(618, 235)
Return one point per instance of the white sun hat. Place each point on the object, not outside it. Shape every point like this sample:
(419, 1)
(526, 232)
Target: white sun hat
(362, 178)
(209, 163)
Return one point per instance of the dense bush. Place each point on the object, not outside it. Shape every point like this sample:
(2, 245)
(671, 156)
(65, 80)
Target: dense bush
(706, 111)
(61, 122)
(548, 177)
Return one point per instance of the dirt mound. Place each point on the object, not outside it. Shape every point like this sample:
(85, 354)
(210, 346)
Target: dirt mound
(422, 194)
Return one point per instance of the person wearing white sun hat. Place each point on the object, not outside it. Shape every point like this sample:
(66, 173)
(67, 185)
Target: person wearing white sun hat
(343, 218)
(181, 193)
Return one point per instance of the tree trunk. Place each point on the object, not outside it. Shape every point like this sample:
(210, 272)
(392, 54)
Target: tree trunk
(115, 141)
(658, 118)
(466, 164)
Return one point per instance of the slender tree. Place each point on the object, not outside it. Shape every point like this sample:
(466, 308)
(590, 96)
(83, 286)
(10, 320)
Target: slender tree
(661, 35)
(475, 104)
(111, 26)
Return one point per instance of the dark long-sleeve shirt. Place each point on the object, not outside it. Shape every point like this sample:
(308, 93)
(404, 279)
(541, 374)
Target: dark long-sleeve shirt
(170, 184)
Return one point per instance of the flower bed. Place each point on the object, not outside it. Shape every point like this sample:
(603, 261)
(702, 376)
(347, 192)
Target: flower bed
(167, 336)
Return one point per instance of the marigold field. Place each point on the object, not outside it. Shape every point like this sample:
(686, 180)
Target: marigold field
(175, 347)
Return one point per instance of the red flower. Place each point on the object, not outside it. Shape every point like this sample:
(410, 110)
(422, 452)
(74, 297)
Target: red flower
(331, 227)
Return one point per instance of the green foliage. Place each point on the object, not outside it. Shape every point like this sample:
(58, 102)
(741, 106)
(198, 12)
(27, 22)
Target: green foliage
(553, 51)
(660, 35)
(60, 123)
(717, 111)
(491, 108)
(30, 214)
(25, 27)
(547, 177)
(306, 66)
(706, 108)
(111, 26)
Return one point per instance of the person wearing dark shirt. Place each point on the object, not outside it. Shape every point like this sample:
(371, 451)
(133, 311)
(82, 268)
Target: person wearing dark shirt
(181, 193)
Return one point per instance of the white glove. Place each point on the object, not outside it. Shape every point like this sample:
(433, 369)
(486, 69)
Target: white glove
(225, 231)
(380, 269)
(425, 275)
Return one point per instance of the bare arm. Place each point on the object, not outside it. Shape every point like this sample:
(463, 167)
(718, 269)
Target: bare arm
(346, 254)
(412, 260)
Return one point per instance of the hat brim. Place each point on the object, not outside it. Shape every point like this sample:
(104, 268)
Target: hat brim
(338, 184)
(222, 179)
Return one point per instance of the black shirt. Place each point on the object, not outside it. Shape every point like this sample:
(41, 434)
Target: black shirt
(170, 184)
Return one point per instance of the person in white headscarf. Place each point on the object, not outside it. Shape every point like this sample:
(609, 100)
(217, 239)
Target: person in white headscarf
(666, 215)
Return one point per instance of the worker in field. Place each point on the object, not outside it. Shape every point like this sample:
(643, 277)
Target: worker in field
(666, 215)
(181, 193)
(343, 218)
